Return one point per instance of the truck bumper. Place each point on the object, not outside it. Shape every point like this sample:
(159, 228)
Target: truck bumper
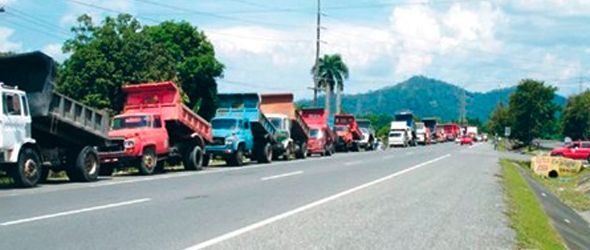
(117, 158)
(220, 150)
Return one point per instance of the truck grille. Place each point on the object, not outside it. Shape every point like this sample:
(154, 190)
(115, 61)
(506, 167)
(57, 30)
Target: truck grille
(217, 141)
(113, 145)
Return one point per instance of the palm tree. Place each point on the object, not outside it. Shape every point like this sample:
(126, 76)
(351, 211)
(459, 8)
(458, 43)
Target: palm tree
(332, 71)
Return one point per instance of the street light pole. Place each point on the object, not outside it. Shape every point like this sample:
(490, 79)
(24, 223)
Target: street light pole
(317, 59)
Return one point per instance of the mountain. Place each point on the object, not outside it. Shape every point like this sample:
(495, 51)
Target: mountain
(426, 97)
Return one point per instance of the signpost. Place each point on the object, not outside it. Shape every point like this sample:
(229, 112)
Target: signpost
(506, 131)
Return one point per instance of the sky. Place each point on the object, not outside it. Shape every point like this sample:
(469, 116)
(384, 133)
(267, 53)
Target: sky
(269, 46)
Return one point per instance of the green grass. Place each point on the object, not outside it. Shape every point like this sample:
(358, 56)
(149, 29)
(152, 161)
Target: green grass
(532, 226)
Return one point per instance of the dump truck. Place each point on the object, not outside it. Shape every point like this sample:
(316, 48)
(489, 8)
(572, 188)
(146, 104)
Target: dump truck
(42, 129)
(399, 134)
(155, 128)
(408, 117)
(348, 132)
(241, 130)
(432, 124)
(368, 140)
(292, 130)
(321, 136)
(452, 131)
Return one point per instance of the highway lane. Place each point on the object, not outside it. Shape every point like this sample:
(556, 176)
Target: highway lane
(178, 210)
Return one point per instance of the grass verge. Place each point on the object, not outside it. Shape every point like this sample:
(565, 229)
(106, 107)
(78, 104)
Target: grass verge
(532, 226)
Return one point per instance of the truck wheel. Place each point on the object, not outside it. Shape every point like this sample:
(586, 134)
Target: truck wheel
(86, 166)
(264, 153)
(206, 160)
(27, 171)
(148, 162)
(237, 158)
(302, 152)
(288, 153)
(194, 159)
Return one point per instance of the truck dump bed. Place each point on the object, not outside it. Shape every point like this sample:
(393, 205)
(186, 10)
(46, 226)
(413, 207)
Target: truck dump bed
(283, 104)
(349, 120)
(164, 98)
(246, 106)
(54, 115)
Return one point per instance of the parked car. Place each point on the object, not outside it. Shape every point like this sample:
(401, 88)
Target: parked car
(579, 150)
(466, 140)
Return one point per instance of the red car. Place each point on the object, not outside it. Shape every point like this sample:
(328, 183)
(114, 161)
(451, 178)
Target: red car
(466, 140)
(576, 150)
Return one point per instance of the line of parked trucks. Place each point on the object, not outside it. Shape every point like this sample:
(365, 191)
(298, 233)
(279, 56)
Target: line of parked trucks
(44, 130)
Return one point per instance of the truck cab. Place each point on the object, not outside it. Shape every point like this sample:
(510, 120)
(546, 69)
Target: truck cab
(399, 134)
(140, 131)
(422, 135)
(229, 135)
(18, 153)
(285, 147)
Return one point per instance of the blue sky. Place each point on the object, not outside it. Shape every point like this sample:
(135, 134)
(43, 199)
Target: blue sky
(268, 46)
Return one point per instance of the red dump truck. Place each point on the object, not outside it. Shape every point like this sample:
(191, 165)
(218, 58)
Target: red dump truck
(348, 132)
(321, 136)
(292, 131)
(154, 128)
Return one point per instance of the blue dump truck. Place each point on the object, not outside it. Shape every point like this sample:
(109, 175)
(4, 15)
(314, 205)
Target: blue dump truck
(241, 130)
(408, 117)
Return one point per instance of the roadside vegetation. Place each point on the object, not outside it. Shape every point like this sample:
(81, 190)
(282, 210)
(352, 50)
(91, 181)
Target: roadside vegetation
(567, 189)
(528, 219)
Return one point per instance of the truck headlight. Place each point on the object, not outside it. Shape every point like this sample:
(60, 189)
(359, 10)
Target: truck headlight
(129, 144)
(229, 141)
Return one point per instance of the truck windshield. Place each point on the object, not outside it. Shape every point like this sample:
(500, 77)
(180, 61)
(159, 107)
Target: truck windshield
(138, 121)
(230, 124)
(395, 134)
(277, 122)
(315, 133)
(341, 129)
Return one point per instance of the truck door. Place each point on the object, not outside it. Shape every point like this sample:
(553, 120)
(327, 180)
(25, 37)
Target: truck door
(247, 134)
(15, 119)
(160, 137)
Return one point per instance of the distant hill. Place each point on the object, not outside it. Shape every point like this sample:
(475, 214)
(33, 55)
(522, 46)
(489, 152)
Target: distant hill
(426, 97)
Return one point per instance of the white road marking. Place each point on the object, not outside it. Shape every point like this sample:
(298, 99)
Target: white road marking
(275, 218)
(567, 221)
(280, 175)
(350, 163)
(84, 210)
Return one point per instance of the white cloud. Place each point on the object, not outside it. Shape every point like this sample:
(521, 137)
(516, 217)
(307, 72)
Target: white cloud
(426, 33)
(554, 7)
(75, 10)
(6, 2)
(5, 43)
(54, 50)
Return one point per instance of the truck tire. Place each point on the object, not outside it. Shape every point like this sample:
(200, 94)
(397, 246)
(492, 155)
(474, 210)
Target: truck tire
(148, 161)
(27, 171)
(288, 152)
(264, 153)
(206, 160)
(236, 158)
(302, 152)
(86, 166)
(193, 160)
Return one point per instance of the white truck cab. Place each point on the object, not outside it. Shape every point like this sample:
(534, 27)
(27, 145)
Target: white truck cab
(283, 125)
(421, 133)
(18, 154)
(399, 134)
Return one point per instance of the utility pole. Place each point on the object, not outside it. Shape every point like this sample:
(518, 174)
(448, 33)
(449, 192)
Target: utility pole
(317, 58)
(463, 109)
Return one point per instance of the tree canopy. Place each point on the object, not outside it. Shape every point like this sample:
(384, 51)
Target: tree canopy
(122, 51)
(499, 119)
(331, 73)
(532, 111)
(575, 119)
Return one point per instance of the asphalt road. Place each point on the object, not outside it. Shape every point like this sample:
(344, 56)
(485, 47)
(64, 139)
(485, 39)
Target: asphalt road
(442, 196)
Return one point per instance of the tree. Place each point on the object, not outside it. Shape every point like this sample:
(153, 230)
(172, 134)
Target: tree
(332, 71)
(196, 66)
(575, 119)
(532, 110)
(499, 119)
(7, 53)
(122, 51)
(108, 56)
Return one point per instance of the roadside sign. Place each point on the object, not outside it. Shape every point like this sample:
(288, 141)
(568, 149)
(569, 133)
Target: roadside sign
(506, 131)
